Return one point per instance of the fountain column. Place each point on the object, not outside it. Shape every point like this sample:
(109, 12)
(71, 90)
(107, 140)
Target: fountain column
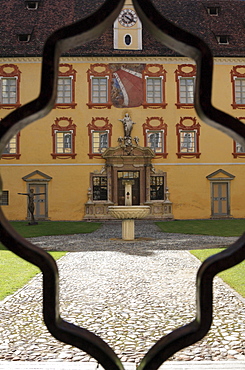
(128, 213)
(128, 224)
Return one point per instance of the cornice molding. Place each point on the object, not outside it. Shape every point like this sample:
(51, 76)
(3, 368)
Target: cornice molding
(125, 59)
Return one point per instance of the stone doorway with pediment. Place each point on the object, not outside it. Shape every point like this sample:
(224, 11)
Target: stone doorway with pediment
(128, 161)
(38, 181)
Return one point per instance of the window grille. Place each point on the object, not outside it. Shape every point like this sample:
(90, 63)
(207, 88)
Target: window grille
(157, 188)
(63, 142)
(240, 90)
(11, 147)
(64, 94)
(184, 43)
(187, 90)
(188, 141)
(99, 90)
(154, 90)
(8, 90)
(99, 188)
(100, 141)
(155, 141)
(4, 198)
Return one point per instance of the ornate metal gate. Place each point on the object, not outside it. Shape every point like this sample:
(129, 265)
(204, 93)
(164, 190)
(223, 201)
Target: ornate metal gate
(188, 45)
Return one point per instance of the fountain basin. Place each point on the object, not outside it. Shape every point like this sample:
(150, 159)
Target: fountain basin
(129, 212)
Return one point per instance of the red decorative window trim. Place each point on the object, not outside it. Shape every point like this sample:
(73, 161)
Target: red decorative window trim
(57, 128)
(236, 74)
(15, 73)
(15, 155)
(180, 127)
(70, 72)
(147, 73)
(235, 153)
(181, 73)
(161, 127)
(103, 71)
(94, 127)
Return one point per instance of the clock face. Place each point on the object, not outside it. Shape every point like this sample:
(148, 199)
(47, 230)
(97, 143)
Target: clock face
(127, 17)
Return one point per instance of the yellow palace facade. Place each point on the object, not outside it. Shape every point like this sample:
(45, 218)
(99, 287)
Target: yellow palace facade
(76, 158)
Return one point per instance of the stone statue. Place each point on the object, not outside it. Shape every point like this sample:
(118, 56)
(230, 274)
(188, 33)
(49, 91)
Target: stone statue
(127, 124)
(30, 206)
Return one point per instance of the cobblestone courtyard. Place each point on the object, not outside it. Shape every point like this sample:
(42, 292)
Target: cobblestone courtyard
(129, 293)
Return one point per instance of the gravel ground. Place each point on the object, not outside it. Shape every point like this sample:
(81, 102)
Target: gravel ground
(129, 293)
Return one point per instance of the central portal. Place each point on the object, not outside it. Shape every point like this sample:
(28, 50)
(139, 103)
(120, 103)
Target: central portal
(129, 175)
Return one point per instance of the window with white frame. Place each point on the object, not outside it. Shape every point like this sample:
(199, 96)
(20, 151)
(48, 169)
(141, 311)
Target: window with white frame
(154, 79)
(64, 142)
(188, 141)
(11, 147)
(186, 93)
(64, 93)
(8, 90)
(99, 132)
(66, 87)
(155, 133)
(155, 141)
(154, 90)
(238, 87)
(99, 141)
(239, 90)
(99, 90)
(185, 76)
(240, 148)
(63, 132)
(188, 135)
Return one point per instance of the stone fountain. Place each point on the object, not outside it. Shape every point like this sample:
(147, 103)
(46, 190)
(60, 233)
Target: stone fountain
(128, 213)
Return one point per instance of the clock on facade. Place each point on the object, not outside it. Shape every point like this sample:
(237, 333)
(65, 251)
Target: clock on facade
(127, 17)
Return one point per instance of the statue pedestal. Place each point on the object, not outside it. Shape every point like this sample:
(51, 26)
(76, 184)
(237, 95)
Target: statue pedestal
(32, 223)
(128, 229)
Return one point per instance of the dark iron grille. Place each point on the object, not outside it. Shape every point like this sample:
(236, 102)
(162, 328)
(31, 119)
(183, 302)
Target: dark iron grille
(188, 45)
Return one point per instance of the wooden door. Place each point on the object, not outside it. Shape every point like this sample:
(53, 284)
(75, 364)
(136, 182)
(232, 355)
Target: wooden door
(220, 200)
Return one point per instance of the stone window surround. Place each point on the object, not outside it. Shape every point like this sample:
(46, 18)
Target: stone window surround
(181, 73)
(147, 126)
(180, 127)
(99, 70)
(70, 72)
(94, 127)
(13, 73)
(159, 73)
(234, 75)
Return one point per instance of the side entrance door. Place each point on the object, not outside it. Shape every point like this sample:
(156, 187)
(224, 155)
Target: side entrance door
(220, 199)
(40, 201)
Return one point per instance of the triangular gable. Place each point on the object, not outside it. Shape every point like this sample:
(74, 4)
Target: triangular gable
(220, 174)
(37, 176)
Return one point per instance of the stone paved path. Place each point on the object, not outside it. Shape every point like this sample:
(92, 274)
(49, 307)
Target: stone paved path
(129, 293)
